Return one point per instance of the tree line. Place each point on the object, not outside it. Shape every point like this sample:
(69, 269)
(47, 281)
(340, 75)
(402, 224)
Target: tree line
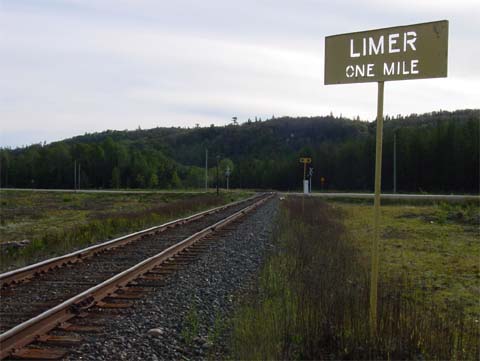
(107, 164)
(436, 152)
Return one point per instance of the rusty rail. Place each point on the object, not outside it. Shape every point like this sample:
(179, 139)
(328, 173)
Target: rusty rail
(27, 332)
(28, 272)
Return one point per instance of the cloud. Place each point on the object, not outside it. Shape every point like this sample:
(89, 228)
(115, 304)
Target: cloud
(80, 66)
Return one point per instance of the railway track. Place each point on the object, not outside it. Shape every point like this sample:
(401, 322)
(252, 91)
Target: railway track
(41, 299)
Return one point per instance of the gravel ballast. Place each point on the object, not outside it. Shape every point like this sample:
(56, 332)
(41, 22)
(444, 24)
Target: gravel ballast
(185, 318)
(30, 299)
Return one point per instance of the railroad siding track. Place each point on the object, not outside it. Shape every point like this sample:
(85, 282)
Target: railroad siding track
(109, 280)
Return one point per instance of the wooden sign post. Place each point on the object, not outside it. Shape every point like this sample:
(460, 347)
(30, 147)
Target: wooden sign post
(405, 52)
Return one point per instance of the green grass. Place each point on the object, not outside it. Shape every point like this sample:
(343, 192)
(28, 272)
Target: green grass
(191, 325)
(437, 247)
(56, 223)
(312, 299)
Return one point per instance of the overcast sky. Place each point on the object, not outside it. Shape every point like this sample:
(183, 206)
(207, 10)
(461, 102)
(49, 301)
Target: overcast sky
(75, 66)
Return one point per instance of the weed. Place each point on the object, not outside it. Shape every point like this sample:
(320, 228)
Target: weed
(463, 213)
(191, 325)
(217, 330)
(313, 297)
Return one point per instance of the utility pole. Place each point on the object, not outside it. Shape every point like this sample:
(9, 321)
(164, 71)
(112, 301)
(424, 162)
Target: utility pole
(218, 190)
(395, 162)
(75, 175)
(79, 172)
(206, 170)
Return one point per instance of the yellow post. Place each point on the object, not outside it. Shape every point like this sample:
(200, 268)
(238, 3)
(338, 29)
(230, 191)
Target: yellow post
(376, 236)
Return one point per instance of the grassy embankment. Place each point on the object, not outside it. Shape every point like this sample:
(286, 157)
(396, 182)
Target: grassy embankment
(56, 223)
(313, 293)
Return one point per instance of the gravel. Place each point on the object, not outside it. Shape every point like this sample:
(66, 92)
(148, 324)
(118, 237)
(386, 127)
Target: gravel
(29, 299)
(187, 318)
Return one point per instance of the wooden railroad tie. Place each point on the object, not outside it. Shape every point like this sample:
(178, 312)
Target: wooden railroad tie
(33, 353)
(59, 340)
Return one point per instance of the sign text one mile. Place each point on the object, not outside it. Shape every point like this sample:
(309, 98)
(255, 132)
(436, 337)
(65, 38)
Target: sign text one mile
(398, 53)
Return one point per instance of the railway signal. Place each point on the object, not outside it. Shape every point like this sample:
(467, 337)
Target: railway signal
(305, 161)
(416, 51)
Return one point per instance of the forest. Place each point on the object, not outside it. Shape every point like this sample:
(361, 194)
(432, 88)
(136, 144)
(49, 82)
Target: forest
(435, 152)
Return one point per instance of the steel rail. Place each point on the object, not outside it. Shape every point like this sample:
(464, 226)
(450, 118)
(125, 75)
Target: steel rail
(30, 330)
(27, 272)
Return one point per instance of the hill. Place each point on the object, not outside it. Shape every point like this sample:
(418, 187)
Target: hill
(437, 152)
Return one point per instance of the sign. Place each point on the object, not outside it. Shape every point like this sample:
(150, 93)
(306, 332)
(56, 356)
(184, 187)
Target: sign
(416, 51)
(305, 161)
(404, 52)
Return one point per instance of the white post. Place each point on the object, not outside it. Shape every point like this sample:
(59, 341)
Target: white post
(305, 186)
